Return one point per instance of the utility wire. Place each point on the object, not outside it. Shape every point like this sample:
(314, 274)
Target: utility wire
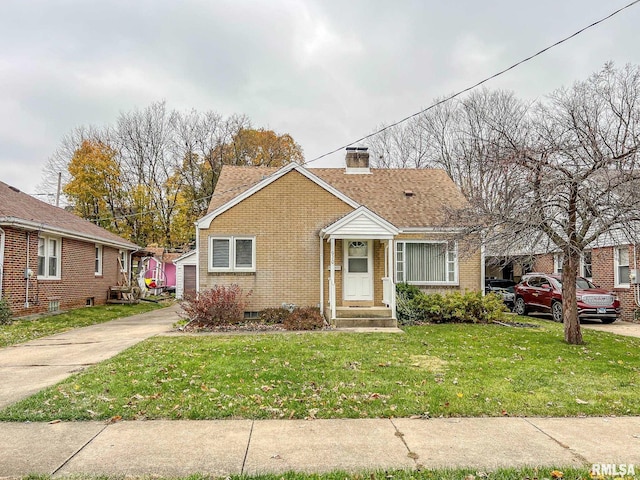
(430, 107)
(457, 94)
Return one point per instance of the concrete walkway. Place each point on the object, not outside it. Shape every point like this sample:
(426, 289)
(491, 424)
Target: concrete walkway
(225, 447)
(29, 367)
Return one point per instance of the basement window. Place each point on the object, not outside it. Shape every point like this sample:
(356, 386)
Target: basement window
(54, 305)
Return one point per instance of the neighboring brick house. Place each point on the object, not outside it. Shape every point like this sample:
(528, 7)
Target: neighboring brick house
(607, 266)
(50, 259)
(335, 238)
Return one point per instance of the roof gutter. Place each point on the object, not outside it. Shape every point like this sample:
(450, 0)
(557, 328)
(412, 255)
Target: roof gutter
(41, 227)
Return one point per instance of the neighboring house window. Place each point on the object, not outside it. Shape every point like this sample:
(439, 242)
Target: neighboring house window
(558, 260)
(123, 261)
(98, 260)
(49, 249)
(587, 270)
(426, 263)
(232, 254)
(621, 266)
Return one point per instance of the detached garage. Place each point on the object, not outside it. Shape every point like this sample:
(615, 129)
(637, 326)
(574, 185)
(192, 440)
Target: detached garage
(186, 274)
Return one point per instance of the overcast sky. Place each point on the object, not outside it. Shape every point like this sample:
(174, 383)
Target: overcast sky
(325, 71)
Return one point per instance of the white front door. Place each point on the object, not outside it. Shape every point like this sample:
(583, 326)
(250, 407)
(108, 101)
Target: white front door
(358, 270)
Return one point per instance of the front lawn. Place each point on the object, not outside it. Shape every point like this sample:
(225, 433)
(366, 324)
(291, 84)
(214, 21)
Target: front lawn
(435, 370)
(23, 330)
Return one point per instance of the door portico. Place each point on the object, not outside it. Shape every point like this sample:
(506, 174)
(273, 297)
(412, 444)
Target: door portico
(355, 241)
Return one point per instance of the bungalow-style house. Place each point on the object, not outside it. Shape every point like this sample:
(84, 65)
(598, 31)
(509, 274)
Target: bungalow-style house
(51, 259)
(334, 238)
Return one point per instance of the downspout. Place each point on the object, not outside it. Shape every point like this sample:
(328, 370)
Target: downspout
(26, 272)
(197, 258)
(321, 274)
(636, 287)
(482, 268)
(1, 259)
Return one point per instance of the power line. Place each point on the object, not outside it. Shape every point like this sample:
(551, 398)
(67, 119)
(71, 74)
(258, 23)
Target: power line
(457, 94)
(430, 107)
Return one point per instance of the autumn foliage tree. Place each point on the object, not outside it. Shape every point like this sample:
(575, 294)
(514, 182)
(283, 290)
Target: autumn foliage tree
(149, 176)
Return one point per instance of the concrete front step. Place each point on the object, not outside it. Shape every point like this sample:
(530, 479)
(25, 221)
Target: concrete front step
(361, 322)
(363, 312)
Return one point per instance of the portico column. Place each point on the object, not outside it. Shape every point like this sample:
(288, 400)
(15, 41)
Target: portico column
(332, 276)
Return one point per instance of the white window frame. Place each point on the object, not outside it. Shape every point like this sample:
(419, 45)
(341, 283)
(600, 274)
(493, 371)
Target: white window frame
(48, 255)
(124, 261)
(616, 266)
(451, 260)
(558, 260)
(98, 261)
(583, 272)
(232, 254)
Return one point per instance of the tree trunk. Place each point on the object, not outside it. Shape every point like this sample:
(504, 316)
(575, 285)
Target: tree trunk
(572, 332)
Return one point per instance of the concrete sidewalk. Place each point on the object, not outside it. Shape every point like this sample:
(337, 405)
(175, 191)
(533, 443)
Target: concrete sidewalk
(29, 367)
(224, 447)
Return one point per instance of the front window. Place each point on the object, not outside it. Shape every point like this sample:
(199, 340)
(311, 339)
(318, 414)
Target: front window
(621, 266)
(232, 254)
(49, 257)
(426, 263)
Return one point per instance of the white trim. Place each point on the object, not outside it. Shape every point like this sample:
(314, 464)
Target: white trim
(182, 258)
(48, 255)
(456, 263)
(100, 259)
(558, 260)
(232, 253)
(386, 230)
(431, 230)
(616, 266)
(55, 231)
(205, 222)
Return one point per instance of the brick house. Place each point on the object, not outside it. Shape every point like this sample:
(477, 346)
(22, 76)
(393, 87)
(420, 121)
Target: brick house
(335, 238)
(51, 260)
(608, 265)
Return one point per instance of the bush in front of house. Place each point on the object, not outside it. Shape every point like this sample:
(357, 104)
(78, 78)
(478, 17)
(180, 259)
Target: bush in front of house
(221, 305)
(274, 316)
(304, 318)
(470, 307)
(5, 312)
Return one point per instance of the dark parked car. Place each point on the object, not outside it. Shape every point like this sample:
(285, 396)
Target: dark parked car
(540, 292)
(504, 288)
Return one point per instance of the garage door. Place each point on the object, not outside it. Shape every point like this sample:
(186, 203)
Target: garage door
(189, 280)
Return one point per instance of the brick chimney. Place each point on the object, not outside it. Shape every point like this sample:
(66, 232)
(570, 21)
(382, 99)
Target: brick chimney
(357, 160)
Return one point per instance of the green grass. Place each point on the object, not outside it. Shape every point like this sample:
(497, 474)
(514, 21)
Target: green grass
(436, 370)
(569, 473)
(23, 330)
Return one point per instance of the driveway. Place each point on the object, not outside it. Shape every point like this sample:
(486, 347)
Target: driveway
(29, 367)
(619, 328)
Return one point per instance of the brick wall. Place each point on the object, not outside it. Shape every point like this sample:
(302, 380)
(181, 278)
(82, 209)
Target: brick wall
(77, 282)
(286, 218)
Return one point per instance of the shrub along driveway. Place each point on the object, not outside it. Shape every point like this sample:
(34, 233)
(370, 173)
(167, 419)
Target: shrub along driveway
(29, 367)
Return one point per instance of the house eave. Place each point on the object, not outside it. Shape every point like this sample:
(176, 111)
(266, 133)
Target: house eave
(48, 229)
(205, 222)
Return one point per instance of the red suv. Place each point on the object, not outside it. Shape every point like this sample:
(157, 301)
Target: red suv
(541, 292)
